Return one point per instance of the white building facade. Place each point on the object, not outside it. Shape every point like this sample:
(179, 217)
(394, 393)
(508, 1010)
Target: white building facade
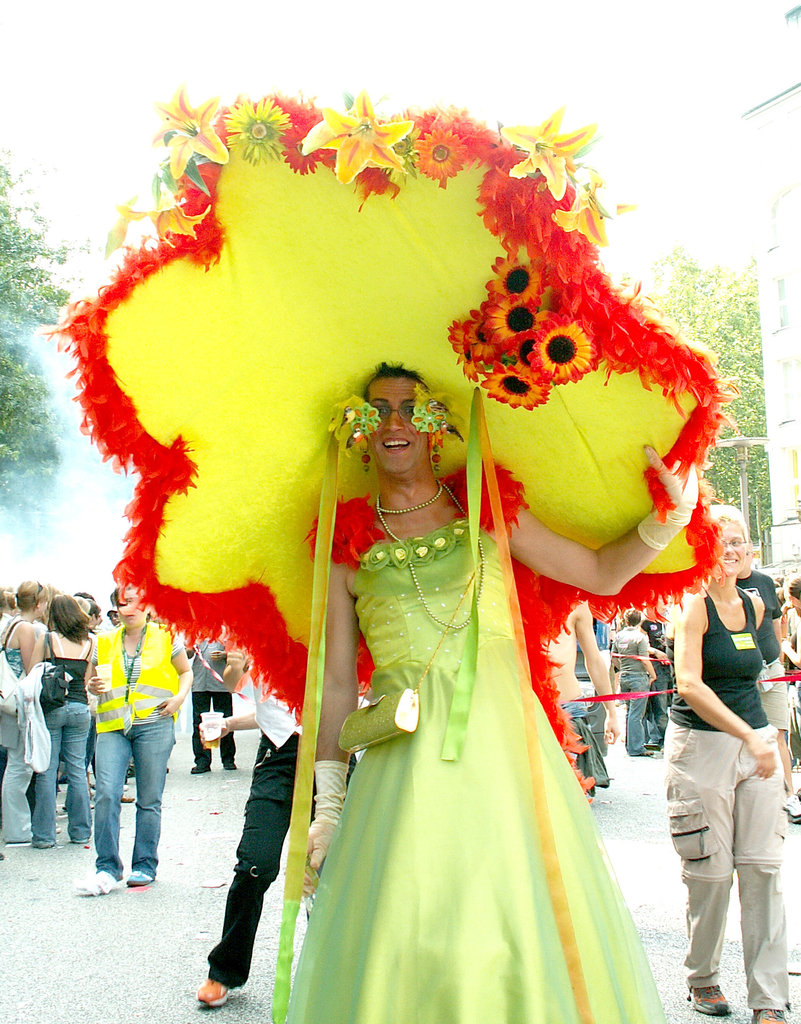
(776, 175)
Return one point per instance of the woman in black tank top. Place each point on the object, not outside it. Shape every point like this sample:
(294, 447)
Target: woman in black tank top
(67, 644)
(723, 768)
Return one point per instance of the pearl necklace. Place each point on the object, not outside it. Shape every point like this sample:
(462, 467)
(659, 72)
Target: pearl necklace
(412, 508)
(440, 622)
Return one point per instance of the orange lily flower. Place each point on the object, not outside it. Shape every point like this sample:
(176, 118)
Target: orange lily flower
(549, 152)
(190, 131)
(587, 214)
(359, 139)
(168, 216)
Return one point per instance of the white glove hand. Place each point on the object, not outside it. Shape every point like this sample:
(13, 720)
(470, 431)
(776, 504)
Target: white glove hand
(330, 778)
(683, 495)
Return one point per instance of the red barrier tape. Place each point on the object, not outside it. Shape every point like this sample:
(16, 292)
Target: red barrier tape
(664, 660)
(625, 696)
(793, 677)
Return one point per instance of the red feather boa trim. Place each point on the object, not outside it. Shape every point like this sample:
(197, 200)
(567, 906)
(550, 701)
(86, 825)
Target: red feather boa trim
(518, 212)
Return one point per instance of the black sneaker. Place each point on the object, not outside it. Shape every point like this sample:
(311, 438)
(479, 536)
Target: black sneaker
(229, 766)
(200, 769)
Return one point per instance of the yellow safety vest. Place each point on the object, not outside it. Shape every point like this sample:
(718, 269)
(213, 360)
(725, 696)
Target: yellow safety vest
(157, 682)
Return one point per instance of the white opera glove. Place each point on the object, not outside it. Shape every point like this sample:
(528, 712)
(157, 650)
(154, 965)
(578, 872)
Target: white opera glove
(330, 778)
(683, 495)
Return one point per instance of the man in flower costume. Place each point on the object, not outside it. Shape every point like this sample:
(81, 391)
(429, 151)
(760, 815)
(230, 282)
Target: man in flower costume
(468, 253)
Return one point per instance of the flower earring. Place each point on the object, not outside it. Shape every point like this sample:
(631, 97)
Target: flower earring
(430, 417)
(359, 421)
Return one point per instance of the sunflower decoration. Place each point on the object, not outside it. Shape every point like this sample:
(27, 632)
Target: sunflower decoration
(528, 354)
(564, 351)
(441, 155)
(506, 318)
(472, 338)
(461, 335)
(257, 129)
(514, 280)
(515, 386)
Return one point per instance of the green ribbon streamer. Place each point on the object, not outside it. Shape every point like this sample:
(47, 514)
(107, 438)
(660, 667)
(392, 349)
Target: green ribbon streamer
(304, 774)
(456, 729)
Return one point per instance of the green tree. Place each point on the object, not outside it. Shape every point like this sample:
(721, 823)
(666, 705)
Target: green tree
(29, 297)
(719, 307)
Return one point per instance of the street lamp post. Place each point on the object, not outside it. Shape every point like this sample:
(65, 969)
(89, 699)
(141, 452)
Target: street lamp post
(741, 446)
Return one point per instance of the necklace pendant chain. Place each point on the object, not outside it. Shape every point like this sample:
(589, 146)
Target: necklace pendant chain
(412, 508)
(440, 622)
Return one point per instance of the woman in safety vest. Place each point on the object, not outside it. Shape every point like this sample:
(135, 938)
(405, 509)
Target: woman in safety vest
(149, 679)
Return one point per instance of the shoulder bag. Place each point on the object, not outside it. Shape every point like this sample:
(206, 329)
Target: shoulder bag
(54, 682)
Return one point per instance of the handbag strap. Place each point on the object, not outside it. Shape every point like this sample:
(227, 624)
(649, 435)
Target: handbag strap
(445, 633)
(9, 630)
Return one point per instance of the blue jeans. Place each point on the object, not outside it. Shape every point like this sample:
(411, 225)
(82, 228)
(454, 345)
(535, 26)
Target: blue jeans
(635, 713)
(68, 727)
(150, 744)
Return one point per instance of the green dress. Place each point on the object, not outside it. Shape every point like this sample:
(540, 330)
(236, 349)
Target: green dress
(433, 905)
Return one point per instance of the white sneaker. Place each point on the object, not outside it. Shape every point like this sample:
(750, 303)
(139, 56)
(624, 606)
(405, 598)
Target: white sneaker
(99, 884)
(793, 807)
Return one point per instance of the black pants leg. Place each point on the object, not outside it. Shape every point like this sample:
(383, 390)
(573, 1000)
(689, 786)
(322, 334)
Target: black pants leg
(201, 702)
(225, 702)
(258, 860)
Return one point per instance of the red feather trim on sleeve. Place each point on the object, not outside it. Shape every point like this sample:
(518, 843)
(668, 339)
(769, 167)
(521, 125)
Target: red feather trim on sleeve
(355, 532)
(511, 491)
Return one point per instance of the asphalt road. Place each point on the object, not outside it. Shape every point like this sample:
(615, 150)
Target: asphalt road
(139, 955)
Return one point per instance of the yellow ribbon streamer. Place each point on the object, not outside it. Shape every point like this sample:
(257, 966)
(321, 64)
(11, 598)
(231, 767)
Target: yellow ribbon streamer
(304, 773)
(456, 729)
(553, 871)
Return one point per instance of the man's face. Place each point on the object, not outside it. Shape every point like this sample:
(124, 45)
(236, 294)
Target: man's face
(397, 446)
(748, 561)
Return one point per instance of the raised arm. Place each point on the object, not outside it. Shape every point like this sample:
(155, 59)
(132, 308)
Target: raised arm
(607, 569)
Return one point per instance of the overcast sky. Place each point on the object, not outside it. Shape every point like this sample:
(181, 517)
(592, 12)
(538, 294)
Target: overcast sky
(667, 84)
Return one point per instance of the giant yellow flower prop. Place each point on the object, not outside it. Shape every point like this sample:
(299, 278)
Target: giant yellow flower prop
(211, 364)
